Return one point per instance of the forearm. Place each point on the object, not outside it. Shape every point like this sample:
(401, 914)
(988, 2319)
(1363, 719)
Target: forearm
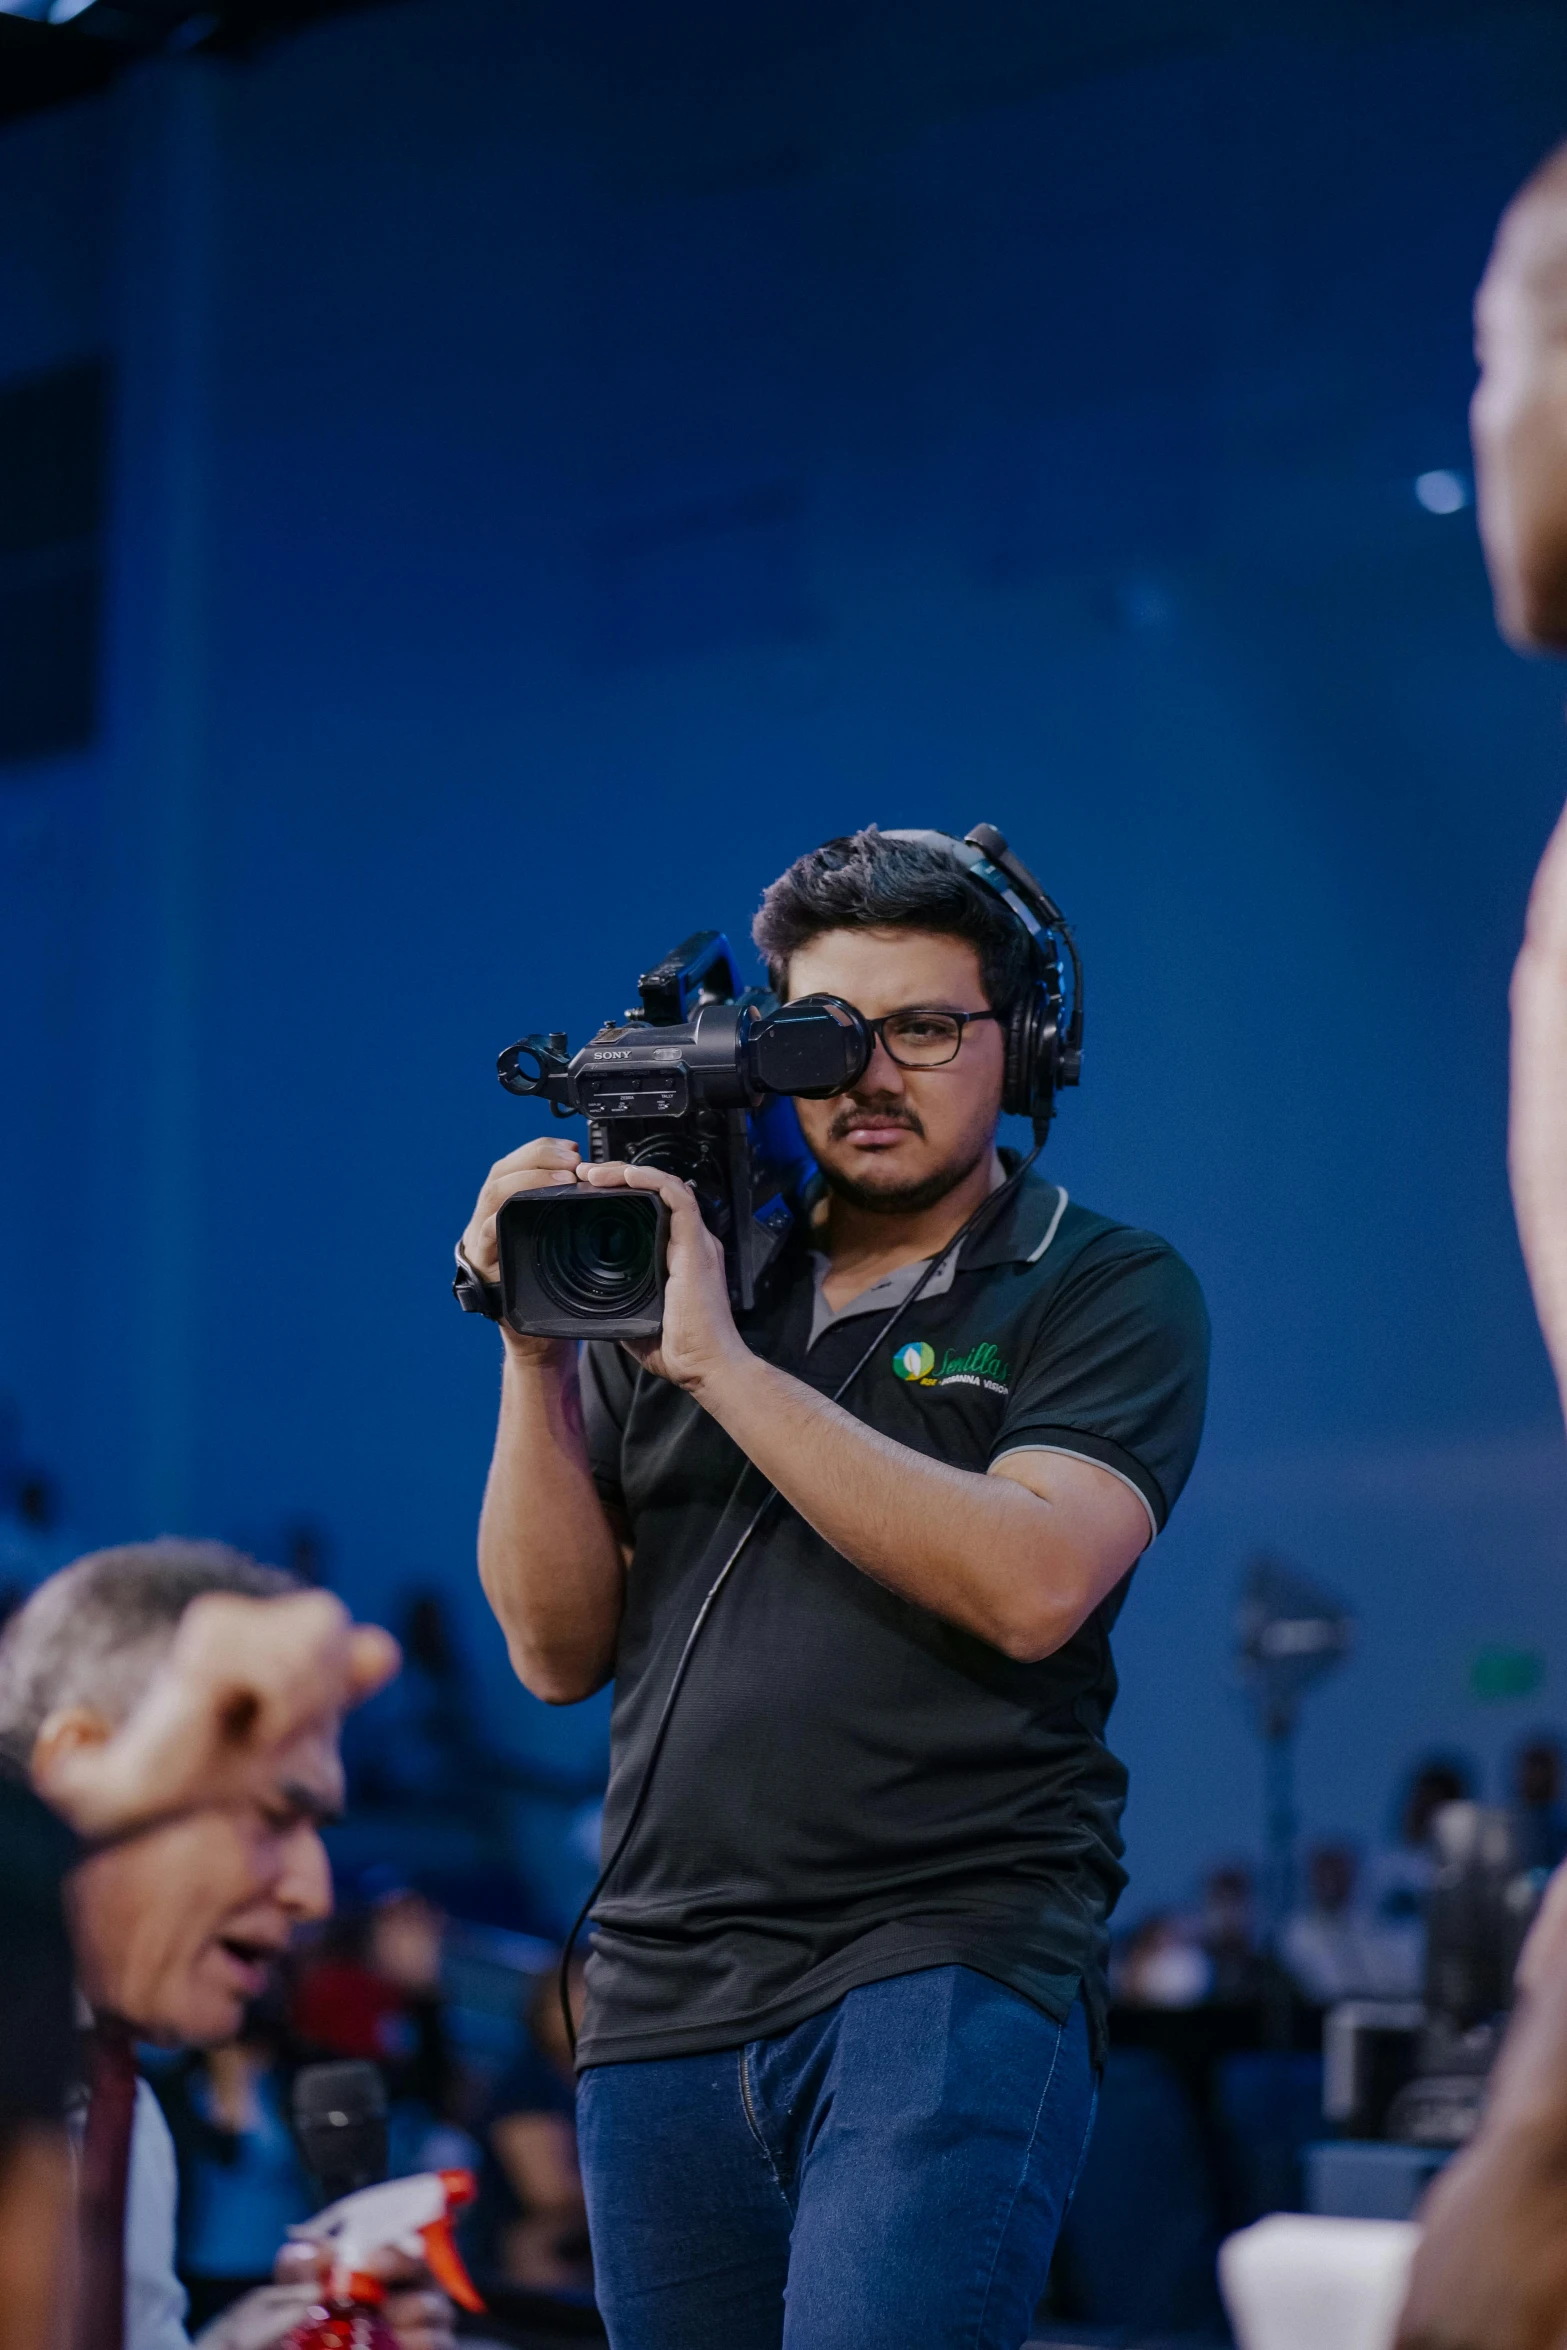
(537, 2151)
(1517, 416)
(35, 2220)
(1521, 461)
(1537, 1144)
(549, 1559)
(1491, 2269)
(979, 1551)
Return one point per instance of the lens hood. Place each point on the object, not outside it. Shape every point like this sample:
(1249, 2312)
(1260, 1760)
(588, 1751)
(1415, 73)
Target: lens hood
(579, 1262)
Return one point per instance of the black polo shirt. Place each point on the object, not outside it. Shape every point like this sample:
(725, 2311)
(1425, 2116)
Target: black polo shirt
(851, 1787)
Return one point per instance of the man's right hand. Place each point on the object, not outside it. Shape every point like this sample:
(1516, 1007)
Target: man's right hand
(242, 1680)
(552, 1160)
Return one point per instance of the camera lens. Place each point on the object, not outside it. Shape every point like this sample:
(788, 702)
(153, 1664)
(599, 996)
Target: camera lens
(595, 1256)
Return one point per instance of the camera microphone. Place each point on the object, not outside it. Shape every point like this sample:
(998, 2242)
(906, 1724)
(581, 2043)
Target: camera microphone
(340, 2126)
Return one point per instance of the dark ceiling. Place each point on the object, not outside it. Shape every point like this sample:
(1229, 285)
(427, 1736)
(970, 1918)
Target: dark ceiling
(630, 68)
(43, 64)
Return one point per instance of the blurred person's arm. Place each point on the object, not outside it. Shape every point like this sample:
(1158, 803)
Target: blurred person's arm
(35, 2214)
(552, 1565)
(242, 1678)
(1519, 420)
(1491, 2270)
(1537, 1136)
(538, 2153)
(544, 2248)
(1519, 413)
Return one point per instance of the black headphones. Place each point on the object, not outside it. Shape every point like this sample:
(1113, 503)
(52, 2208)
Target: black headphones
(1044, 1042)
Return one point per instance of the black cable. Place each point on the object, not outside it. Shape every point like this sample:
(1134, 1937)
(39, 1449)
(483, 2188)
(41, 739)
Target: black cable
(987, 1206)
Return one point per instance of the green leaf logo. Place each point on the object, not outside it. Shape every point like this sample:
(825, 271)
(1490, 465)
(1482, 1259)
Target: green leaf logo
(914, 1361)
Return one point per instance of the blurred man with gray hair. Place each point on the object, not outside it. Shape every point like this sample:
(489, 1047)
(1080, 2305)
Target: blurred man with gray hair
(180, 1705)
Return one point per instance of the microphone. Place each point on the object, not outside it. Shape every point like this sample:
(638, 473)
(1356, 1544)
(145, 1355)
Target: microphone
(340, 2126)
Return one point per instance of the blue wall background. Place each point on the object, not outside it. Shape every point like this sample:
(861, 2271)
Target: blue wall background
(567, 462)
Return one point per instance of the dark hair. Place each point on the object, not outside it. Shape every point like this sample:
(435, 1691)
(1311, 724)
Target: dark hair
(1436, 1779)
(865, 881)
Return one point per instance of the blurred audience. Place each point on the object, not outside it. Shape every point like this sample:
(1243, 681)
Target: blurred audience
(1227, 1929)
(1538, 1814)
(1397, 1877)
(1358, 1933)
(34, 1538)
(372, 1988)
(1161, 1963)
(421, 1747)
(536, 2219)
(1337, 1948)
(1212, 1956)
(1174, 1959)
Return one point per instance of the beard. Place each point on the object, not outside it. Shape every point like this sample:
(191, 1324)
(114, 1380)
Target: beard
(903, 1199)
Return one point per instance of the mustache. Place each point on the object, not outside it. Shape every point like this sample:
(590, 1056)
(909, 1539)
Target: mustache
(887, 1107)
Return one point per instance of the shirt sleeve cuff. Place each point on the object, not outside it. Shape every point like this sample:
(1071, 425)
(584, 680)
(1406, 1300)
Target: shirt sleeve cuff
(1078, 1444)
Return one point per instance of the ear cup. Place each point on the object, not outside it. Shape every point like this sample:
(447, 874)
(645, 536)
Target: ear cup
(1014, 1067)
(1042, 1050)
(1029, 1070)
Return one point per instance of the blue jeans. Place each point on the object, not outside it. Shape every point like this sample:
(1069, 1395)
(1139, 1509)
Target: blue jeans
(890, 2175)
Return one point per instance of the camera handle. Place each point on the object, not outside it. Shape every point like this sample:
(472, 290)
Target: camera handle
(551, 1066)
(701, 968)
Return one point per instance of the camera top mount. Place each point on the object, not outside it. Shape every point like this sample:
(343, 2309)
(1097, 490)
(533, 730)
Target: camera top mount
(696, 1041)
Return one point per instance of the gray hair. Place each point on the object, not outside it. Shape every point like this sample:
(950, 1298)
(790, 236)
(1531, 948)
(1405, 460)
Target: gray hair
(96, 1632)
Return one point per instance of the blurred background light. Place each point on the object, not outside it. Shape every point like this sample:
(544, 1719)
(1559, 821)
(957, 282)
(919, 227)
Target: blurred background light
(1442, 492)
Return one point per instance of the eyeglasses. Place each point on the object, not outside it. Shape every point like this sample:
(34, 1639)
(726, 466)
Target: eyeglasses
(924, 1040)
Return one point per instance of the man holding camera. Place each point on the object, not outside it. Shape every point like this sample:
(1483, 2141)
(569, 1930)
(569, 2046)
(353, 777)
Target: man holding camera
(846, 1997)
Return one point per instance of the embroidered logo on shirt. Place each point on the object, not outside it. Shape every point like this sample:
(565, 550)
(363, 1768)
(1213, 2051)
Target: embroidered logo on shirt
(982, 1363)
(982, 1366)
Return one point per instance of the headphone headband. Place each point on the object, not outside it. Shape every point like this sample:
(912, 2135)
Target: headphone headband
(1041, 1054)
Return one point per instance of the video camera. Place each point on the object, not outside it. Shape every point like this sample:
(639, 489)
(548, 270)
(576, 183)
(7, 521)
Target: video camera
(694, 1079)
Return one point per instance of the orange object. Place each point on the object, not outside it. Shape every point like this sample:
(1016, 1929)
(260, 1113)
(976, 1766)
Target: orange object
(412, 2216)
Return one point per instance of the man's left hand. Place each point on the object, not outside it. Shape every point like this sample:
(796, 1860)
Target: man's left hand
(699, 1335)
(243, 1678)
(417, 2312)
